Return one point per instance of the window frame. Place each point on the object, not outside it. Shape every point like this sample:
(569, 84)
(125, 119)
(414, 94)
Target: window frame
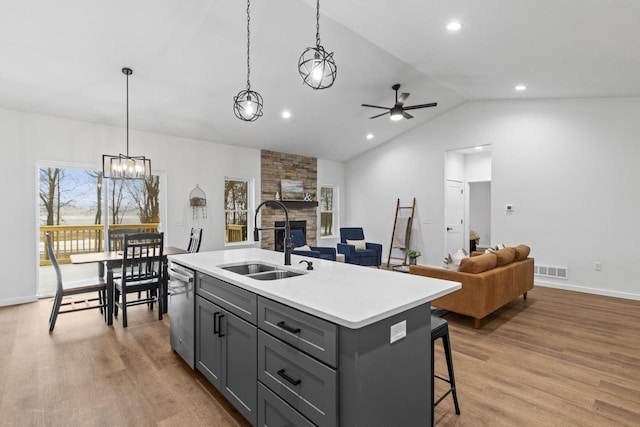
(250, 192)
(334, 211)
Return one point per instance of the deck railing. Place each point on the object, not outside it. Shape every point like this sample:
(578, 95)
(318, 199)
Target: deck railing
(78, 239)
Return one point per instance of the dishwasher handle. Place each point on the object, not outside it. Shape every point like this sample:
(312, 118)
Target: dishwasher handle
(180, 275)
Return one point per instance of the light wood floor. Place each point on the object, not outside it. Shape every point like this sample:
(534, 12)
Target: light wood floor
(558, 359)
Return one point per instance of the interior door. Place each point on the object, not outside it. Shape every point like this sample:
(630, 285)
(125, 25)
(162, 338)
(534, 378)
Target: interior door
(454, 216)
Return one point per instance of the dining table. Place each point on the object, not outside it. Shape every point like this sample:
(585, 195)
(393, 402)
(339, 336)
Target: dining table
(112, 259)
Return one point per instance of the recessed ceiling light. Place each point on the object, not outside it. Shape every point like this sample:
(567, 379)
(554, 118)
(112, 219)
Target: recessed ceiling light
(286, 114)
(369, 136)
(454, 26)
(520, 88)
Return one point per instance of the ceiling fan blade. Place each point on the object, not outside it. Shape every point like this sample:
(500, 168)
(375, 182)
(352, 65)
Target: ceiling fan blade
(413, 107)
(379, 115)
(375, 106)
(403, 97)
(406, 115)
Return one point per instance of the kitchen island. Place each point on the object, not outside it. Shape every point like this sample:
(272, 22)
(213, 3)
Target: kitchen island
(337, 345)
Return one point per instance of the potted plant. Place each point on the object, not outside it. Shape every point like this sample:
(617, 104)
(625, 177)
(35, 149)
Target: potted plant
(413, 255)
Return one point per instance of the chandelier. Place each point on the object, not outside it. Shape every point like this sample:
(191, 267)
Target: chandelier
(247, 104)
(316, 66)
(125, 166)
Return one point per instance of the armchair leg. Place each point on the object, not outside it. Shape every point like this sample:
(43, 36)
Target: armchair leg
(524, 296)
(476, 323)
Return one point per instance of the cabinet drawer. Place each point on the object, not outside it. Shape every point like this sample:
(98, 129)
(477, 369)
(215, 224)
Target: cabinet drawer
(314, 336)
(307, 385)
(275, 412)
(238, 301)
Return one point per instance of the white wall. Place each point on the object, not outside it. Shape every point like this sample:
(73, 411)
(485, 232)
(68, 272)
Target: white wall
(480, 211)
(567, 166)
(332, 173)
(29, 139)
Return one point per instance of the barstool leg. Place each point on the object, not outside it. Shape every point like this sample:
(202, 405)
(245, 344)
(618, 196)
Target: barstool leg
(447, 352)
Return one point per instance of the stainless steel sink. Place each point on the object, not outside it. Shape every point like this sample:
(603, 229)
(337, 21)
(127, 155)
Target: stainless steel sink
(259, 271)
(248, 268)
(274, 275)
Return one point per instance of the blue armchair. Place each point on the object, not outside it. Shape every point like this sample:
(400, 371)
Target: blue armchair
(298, 240)
(371, 256)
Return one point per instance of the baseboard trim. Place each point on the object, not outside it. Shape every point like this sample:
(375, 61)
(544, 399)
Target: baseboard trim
(16, 301)
(595, 291)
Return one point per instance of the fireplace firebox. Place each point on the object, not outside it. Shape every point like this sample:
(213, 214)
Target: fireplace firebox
(279, 234)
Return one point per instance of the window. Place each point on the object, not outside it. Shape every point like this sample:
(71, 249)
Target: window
(236, 209)
(328, 210)
(76, 206)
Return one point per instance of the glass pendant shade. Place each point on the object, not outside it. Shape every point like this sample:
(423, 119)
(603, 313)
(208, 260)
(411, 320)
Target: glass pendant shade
(317, 68)
(247, 105)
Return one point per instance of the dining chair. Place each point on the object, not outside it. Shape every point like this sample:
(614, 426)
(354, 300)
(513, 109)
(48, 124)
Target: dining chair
(194, 240)
(74, 288)
(141, 271)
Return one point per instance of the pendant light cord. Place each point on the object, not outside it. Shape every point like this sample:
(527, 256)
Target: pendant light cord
(318, 23)
(127, 115)
(248, 45)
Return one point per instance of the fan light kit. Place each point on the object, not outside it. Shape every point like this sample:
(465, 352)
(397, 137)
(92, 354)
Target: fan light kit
(399, 111)
(247, 104)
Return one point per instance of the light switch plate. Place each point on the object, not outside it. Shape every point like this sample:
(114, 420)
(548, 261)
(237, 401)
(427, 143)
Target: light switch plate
(398, 331)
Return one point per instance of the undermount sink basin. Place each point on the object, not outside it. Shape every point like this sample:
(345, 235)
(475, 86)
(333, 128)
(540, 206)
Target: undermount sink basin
(274, 275)
(259, 271)
(248, 268)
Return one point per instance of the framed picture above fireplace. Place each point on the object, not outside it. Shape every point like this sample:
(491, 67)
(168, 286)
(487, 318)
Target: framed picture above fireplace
(291, 190)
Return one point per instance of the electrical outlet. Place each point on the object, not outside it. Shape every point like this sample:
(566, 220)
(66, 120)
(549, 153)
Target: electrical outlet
(597, 266)
(398, 331)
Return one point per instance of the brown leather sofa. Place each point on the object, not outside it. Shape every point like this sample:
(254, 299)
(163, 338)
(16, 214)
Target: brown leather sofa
(489, 281)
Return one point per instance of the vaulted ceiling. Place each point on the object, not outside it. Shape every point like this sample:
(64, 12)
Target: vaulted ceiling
(63, 58)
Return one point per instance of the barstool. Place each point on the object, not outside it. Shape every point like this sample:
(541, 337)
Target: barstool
(440, 329)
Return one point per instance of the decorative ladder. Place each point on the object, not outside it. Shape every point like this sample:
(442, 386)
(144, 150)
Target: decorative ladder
(401, 235)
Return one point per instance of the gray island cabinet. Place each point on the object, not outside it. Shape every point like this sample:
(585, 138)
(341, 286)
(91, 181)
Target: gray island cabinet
(341, 345)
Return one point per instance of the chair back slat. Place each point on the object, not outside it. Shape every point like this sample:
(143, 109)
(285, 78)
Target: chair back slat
(142, 256)
(194, 240)
(115, 237)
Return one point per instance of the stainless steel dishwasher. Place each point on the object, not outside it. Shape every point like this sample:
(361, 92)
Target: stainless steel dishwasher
(182, 312)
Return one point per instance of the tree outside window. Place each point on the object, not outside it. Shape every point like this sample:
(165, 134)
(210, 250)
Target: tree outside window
(236, 209)
(328, 210)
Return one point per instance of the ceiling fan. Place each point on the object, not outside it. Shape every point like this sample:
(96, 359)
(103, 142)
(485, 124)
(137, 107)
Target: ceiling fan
(398, 111)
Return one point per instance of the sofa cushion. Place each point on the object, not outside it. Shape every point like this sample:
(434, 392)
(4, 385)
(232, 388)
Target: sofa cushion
(478, 264)
(459, 256)
(505, 256)
(359, 244)
(522, 252)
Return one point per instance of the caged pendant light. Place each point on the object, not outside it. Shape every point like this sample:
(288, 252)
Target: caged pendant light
(317, 67)
(247, 104)
(124, 166)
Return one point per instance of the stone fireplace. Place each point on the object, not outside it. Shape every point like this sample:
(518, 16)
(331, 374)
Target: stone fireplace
(274, 168)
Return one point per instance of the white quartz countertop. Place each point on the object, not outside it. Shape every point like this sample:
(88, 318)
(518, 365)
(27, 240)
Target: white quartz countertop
(348, 295)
